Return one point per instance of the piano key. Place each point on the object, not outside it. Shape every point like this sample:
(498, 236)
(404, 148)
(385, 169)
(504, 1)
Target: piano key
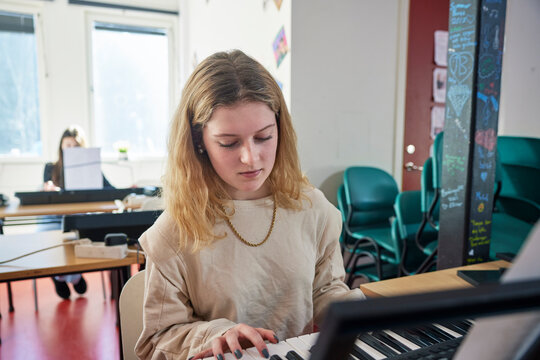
(428, 334)
(379, 346)
(375, 354)
(402, 340)
(276, 357)
(447, 330)
(454, 327)
(394, 344)
(293, 355)
(300, 347)
(442, 334)
(358, 353)
(309, 339)
(412, 337)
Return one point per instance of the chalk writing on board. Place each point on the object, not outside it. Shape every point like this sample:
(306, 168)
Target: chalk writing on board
(479, 233)
(460, 65)
(486, 138)
(458, 95)
(454, 163)
(484, 165)
(483, 176)
(447, 192)
(481, 196)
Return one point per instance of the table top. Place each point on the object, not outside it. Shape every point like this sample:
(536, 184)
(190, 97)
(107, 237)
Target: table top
(59, 260)
(16, 210)
(446, 279)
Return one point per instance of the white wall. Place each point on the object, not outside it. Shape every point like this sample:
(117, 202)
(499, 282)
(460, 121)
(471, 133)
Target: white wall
(248, 25)
(520, 81)
(346, 85)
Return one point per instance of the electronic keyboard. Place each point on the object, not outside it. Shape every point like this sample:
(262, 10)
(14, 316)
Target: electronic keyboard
(414, 343)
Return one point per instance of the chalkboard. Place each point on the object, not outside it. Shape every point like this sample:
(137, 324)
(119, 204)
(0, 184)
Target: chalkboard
(475, 43)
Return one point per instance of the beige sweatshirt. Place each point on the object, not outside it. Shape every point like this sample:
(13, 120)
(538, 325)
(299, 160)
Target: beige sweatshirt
(283, 285)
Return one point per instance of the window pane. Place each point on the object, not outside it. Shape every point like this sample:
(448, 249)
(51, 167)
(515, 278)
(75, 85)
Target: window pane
(19, 102)
(131, 89)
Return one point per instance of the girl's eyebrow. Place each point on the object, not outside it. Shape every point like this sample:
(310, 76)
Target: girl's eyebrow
(232, 135)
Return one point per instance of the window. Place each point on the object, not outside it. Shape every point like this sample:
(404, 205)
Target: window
(130, 84)
(20, 133)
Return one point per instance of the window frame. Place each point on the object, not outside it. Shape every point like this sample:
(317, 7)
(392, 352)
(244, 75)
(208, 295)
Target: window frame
(133, 18)
(36, 10)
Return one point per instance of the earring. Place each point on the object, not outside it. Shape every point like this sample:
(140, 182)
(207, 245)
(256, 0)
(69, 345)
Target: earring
(200, 149)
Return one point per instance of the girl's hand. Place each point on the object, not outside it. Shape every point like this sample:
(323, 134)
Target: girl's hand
(237, 338)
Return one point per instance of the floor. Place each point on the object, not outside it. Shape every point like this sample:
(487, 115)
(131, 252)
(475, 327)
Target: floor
(83, 327)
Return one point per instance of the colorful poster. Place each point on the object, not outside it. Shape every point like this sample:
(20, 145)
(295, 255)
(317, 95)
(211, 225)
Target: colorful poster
(280, 46)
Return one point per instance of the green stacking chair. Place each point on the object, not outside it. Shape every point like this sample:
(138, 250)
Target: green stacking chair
(409, 216)
(369, 195)
(361, 261)
(519, 165)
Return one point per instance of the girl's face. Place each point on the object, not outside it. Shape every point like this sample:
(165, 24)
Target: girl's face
(69, 142)
(241, 142)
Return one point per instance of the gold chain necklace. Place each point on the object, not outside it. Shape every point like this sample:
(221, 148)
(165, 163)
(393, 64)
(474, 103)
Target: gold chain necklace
(267, 235)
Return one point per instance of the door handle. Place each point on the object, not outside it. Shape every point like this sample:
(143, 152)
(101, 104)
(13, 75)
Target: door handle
(410, 166)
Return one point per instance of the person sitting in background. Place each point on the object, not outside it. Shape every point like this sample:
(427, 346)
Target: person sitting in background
(53, 180)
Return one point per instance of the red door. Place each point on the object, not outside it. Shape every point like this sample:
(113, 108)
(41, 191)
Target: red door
(425, 16)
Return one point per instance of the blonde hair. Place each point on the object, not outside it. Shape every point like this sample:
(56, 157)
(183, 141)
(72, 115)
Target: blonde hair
(77, 133)
(195, 195)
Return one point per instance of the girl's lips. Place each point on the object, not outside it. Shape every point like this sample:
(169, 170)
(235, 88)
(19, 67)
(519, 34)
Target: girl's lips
(251, 174)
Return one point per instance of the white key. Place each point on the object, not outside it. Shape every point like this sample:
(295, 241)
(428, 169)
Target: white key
(446, 330)
(368, 349)
(281, 349)
(309, 339)
(402, 340)
(300, 347)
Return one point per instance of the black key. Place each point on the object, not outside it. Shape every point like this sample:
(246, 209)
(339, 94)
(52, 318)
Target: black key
(387, 339)
(360, 354)
(425, 336)
(377, 345)
(468, 322)
(452, 326)
(275, 357)
(412, 337)
(442, 333)
(293, 355)
(463, 324)
(431, 334)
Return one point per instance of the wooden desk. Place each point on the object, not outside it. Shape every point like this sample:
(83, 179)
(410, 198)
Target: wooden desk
(16, 210)
(433, 281)
(56, 261)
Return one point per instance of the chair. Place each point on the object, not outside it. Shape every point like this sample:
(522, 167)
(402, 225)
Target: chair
(359, 263)
(409, 216)
(369, 195)
(519, 167)
(130, 308)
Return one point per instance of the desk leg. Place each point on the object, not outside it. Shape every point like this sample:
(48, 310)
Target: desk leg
(35, 295)
(10, 297)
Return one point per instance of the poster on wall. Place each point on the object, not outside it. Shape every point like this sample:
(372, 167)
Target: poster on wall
(280, 46)
(437, 120)
(439, 85)
(441, 47)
